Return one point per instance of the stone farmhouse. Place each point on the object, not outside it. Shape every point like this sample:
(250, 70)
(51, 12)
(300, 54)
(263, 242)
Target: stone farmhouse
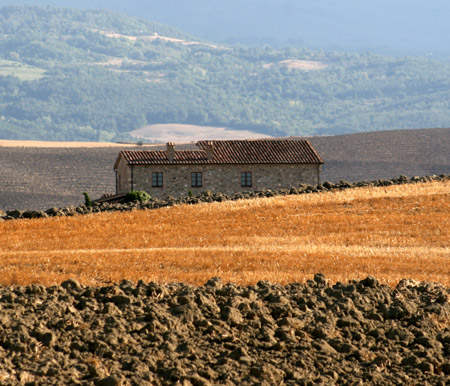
(218, 166)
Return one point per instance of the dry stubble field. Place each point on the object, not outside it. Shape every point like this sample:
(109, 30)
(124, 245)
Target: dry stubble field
(391, 233)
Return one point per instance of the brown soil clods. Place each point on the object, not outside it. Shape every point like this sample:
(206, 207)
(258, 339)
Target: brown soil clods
(359, 332)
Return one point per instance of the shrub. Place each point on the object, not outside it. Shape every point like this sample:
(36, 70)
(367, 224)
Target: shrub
(136, 195)
(87, 199)
(190, 194)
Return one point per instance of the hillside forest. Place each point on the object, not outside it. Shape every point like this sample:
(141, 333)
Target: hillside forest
(69, 74)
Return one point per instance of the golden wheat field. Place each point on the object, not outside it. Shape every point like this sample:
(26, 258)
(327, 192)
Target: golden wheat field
(390, 233)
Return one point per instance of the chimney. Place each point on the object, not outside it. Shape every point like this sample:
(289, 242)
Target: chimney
(209, 150)
(170, 151)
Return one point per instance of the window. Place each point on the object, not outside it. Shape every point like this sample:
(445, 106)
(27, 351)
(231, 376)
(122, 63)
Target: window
(196, 179)
(157, 179)
(246, 179)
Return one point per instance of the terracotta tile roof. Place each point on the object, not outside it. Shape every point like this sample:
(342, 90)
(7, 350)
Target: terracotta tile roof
(159, 157)
(231, 152)
(263, 152)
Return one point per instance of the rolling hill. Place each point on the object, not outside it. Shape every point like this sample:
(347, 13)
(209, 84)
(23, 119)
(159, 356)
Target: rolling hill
(40, 178)
(69, 74)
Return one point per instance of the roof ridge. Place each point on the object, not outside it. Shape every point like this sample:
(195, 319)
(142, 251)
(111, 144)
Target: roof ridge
(259, 151)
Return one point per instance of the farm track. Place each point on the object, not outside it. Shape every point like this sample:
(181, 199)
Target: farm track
(40, 178)
(353, 250)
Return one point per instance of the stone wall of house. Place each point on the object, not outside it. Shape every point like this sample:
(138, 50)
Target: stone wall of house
(123, 177)
(218, 178)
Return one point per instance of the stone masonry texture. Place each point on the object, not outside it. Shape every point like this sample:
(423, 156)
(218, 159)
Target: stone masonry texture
(216, 178)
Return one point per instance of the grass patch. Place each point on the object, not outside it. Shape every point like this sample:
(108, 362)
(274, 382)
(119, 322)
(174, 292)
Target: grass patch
(20, 70)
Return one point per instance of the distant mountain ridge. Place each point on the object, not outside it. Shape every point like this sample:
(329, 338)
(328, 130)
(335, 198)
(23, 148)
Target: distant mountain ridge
(48, 20)
(402, 26)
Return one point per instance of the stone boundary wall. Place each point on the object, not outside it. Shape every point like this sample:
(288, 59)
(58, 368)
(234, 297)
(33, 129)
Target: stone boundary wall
(212, 197)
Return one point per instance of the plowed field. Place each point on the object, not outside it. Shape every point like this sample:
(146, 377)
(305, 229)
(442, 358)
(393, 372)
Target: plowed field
(40, 178)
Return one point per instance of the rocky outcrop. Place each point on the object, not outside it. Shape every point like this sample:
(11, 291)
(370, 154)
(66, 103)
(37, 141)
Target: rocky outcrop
(356, 333)
(215, 197)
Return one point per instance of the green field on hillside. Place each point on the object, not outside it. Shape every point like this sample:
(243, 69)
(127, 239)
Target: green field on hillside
(19, 70)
